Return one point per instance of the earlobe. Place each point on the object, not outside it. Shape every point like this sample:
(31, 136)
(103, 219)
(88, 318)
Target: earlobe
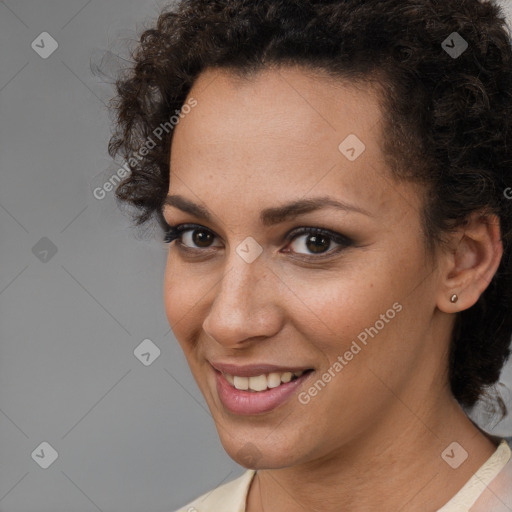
(472, 263)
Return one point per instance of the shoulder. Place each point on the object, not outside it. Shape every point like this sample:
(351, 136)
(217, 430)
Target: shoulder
(497, 497)
(229, 497)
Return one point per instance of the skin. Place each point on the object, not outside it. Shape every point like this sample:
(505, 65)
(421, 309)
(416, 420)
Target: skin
(372, 438)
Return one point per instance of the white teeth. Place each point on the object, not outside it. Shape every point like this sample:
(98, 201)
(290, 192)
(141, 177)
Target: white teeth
(261, 382)
(241, 382)
(258, 383)
(286, 377)
(273, 380)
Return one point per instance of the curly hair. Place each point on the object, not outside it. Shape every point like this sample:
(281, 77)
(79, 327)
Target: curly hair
(447, 117)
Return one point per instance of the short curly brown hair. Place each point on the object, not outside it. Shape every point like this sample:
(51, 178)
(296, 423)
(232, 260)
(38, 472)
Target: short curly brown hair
(448, 117)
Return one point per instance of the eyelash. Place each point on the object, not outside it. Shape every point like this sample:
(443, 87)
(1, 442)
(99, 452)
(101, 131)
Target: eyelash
(176, 233)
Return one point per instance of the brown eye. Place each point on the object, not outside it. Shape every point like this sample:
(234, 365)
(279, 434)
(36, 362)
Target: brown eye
(198, 237)
(202, 238)
(317, 241)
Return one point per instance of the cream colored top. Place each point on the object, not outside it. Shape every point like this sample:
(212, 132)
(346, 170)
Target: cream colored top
(488, 490)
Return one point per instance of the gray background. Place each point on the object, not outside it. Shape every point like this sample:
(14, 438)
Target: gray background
(129, 437)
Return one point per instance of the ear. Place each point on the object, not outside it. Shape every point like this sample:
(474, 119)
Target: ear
(471, 262)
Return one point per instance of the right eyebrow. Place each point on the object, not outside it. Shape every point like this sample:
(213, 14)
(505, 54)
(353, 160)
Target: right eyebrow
(270, 216)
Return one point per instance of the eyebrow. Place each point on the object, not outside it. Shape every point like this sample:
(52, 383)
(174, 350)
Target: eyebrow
(269, 216)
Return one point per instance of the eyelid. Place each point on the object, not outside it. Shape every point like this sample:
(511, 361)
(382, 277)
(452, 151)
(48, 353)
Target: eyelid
(333, 235)
(176, 231)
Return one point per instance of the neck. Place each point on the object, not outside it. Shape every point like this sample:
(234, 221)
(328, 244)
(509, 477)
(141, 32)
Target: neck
(383, 468)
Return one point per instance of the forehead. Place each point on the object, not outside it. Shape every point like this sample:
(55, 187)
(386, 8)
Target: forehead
(282, 132)
(300, 104)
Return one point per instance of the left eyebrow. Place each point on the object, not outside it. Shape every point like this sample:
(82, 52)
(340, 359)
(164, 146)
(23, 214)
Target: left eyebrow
(270, 216)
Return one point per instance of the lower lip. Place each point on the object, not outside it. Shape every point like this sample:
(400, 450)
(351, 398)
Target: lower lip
(248, 402)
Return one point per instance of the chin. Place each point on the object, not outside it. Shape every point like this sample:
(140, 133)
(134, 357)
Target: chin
(252, 455)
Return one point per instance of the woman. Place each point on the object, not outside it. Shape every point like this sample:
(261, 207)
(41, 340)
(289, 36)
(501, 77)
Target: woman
(333, 178)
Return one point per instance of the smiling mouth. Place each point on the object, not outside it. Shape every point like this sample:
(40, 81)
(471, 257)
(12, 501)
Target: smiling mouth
(262, 382)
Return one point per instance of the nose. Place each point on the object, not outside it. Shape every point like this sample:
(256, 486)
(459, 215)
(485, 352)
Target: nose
(246, 304)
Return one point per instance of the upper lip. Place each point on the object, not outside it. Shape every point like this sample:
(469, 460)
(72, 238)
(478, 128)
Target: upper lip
(253, 370)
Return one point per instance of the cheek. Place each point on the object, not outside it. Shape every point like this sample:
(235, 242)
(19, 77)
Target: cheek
(341, 300)
(183, 294)
(356, 304)
(336, 315)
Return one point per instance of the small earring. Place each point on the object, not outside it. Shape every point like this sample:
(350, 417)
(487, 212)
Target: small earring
(454, 298)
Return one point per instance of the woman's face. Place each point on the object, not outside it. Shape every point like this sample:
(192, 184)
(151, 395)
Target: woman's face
(361, 314)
